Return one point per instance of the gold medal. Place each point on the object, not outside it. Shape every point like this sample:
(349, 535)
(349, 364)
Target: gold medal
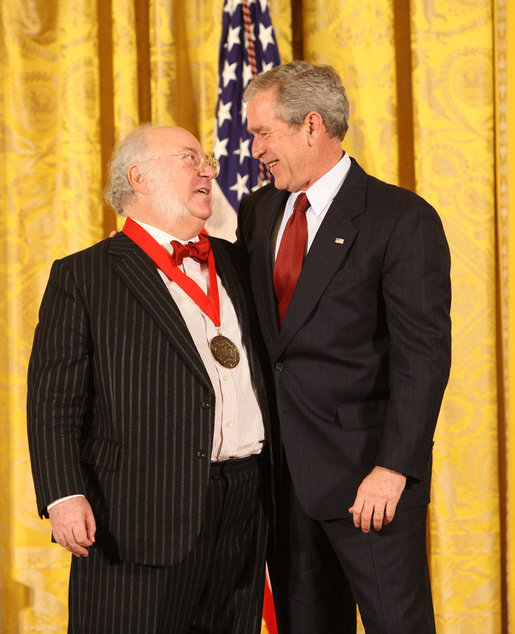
(224, 352)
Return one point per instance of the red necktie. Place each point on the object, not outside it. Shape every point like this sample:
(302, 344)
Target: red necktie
(291, 255)
(199, 251)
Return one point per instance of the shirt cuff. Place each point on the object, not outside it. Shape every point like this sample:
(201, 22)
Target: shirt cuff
(68, 497)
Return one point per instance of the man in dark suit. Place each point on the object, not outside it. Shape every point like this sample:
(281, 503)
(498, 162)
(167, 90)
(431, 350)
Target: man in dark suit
(353, 295)
(147, 409)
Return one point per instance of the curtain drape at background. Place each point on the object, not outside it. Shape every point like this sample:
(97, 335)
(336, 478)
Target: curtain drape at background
(432, 109)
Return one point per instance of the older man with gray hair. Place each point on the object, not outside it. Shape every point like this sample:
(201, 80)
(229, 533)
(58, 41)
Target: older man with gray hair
(147, 410)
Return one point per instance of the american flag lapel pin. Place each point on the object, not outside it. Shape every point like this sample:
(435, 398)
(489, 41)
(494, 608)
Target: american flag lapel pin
(339, 240)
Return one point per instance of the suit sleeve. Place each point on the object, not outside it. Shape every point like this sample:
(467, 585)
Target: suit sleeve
(58, 389)
(417, 295)
(241, 227)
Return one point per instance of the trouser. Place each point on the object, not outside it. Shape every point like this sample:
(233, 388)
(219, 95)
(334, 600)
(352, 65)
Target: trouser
(321, 569)
(218, 588)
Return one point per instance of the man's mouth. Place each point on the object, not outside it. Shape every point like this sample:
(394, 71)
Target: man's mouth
(272, 164)
(204, 190)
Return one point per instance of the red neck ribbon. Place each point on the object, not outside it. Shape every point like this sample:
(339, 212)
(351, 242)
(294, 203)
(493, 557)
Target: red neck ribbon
(208, 304)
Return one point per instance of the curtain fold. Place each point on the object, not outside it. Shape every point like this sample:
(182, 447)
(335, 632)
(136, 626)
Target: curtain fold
(51, 177)
(128, 26)
(360, 44)
(453, 105)
(431, 105)
(454, 163)
(504, 47)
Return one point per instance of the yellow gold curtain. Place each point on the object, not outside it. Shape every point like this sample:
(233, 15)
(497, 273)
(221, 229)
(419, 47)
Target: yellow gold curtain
(455, 157)
(51, 176)
(431, 106)
(361, 46)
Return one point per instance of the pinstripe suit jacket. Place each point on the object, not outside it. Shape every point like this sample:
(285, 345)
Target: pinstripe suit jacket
(120, 406)
(363, 356)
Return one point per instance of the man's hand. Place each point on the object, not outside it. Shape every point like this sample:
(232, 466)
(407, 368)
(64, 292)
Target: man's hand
(73, 525)
(111, 235)
(377, 498)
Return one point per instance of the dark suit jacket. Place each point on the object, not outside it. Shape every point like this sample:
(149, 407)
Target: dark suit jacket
(120, 406)
(363, 356)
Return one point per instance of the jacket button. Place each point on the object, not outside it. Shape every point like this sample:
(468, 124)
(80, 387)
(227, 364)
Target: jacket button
(279, 366)
(202, 454)
(206, 404)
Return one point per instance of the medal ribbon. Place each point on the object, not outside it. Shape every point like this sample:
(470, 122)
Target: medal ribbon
(208, 304)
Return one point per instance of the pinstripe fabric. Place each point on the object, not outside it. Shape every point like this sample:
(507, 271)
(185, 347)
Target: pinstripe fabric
(119, 404)
(217, 588)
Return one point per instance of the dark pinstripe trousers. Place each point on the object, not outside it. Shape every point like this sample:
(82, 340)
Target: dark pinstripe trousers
(218, 588)
(323, 568)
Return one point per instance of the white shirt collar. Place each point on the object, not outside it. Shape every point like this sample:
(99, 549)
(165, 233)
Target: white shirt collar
(162, 237)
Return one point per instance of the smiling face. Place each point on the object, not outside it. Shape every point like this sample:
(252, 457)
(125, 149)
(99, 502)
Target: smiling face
(285, 149)
(178, 193)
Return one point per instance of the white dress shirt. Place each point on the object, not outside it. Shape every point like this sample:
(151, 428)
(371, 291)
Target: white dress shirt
(320, 195)
(238, 429)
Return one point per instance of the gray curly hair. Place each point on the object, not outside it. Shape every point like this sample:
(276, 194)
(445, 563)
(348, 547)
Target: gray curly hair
(302, 87)
(118, 192)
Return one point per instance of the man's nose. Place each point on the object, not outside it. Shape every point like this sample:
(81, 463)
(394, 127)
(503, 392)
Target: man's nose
(207, 170)
(257, 148)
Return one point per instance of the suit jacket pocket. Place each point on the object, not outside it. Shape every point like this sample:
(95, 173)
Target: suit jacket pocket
(351, 274)
(101, 452)
(356, 416)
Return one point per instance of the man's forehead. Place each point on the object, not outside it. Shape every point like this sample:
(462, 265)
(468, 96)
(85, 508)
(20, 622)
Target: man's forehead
(260, 117)
(172, 137)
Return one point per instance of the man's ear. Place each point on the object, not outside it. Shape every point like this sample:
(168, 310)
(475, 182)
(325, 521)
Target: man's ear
(137, 178)
(314, 126)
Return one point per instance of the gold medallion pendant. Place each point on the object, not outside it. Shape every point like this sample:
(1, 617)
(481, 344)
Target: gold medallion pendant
(224, 351)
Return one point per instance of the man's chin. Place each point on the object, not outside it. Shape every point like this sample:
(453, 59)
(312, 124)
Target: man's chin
(279, 183)
(205, 213)
(200, 212)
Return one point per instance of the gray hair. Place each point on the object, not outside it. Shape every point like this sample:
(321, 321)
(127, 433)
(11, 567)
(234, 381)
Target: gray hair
(118, 192)
(302, 87)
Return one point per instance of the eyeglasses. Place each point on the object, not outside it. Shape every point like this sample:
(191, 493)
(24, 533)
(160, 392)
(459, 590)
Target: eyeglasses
(192, 158)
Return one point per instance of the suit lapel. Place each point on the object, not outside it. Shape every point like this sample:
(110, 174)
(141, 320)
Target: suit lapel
(141, 277)
(326, 254)
(262, 263)
(240, 297)
(225, 270)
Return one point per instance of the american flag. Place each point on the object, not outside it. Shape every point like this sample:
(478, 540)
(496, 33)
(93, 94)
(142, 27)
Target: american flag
(247, 47)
